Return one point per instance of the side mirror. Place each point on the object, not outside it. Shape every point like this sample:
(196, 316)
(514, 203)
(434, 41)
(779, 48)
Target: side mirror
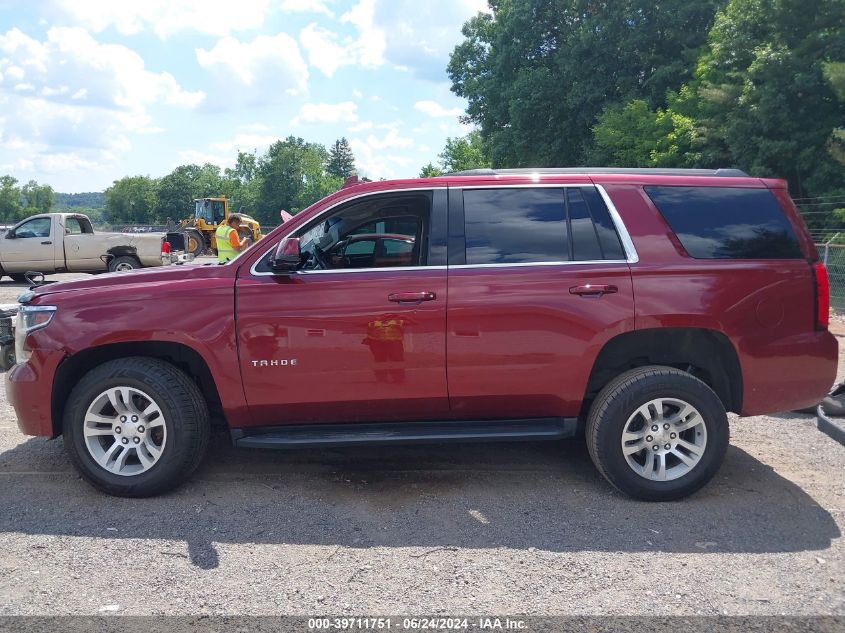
(287, 257)
(10, 235)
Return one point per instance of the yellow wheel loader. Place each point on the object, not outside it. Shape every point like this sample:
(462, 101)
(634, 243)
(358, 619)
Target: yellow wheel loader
(209, 213)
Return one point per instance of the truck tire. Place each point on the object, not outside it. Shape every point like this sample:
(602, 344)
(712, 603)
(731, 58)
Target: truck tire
(135, 427)
(7, 356)
(18, 278)
(657, 433)
(123, 263)
(194, 242)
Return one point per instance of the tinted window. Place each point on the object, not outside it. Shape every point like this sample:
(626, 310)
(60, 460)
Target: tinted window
(611, 246)
(361, 247)
(585, 240)
(727, 223)
(507, 226)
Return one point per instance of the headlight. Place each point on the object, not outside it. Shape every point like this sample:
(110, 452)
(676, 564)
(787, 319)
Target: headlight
(30, 318)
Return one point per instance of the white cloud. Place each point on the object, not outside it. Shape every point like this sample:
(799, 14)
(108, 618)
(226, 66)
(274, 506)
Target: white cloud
(196, 157)
(345, 111)
(382, 157)
(83, 100)
(245, 142)
(435, 110)
(363, 126)
(167, 17)
(412, 35)
(328, 51)
(307, 6)
(266, 69)
(325, 51)
(370, 45)
(72, 65)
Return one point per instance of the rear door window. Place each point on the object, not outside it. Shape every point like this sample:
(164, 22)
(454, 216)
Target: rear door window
(515, 225)
(727, 222)
(519, 225)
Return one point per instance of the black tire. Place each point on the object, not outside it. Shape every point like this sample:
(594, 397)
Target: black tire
(124, 263)
(621, 398)
(186, 422)
(18, 278)
(7, 356)
(195, 236)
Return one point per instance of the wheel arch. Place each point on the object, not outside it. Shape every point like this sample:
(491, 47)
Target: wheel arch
(707, 354)
(71, 370)
(123, 251)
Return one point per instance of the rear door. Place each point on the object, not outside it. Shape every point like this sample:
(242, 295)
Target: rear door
(539, 280)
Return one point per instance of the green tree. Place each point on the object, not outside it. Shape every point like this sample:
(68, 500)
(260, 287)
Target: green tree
(37, 198)
(292, 176)
(177, 190)
(764, 100)
(132, 200)
(538, 73)
(466, 152)
(10, 200)
(637, 136)
(430, 171)
(341, 162)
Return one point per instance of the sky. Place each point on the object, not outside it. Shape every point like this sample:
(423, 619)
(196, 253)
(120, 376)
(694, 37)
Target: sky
(93, 90)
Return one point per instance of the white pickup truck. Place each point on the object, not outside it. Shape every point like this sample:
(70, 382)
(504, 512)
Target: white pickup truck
(66, 242)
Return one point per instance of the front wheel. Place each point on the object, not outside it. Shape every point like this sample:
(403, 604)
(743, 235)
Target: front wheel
(657, 433)
(136, 427)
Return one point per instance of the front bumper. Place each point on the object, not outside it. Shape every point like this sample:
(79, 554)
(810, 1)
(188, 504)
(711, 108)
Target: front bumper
(29, 388)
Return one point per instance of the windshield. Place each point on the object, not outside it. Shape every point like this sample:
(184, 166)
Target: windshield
(211, 211)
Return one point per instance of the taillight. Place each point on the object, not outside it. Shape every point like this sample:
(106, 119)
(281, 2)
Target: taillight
(165, 248)
(822, 296)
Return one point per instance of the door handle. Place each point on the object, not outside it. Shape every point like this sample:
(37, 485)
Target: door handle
(47, 242)
(592, 290)
(411, 297)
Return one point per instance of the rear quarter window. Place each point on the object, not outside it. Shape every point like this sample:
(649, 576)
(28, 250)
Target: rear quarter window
(727, 222)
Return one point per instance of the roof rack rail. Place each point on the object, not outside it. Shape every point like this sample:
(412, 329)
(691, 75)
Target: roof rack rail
(642, 171)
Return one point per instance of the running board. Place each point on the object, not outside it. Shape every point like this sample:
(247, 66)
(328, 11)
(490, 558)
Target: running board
(357, 434)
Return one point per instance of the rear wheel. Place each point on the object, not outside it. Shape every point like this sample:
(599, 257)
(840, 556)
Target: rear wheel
(136, 427)
(123, 263)
(657, 433)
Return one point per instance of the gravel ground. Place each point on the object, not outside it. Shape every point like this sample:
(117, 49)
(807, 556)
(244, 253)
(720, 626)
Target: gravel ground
(500, 528)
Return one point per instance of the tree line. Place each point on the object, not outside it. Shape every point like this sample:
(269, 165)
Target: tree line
(753, 84)
(290, 175)
(18, 202)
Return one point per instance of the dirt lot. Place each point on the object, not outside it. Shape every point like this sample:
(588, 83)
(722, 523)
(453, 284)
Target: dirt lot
(503, 528)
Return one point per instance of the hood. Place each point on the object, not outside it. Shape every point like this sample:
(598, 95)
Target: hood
(163, 275)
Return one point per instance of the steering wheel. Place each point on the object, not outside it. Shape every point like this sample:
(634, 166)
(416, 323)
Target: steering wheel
(320, 258)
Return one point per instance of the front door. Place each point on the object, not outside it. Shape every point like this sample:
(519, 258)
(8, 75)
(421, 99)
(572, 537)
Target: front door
(540, 286)
(31, 245)
(358, 334)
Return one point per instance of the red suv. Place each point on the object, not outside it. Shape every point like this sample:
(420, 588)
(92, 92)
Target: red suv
(635, 307)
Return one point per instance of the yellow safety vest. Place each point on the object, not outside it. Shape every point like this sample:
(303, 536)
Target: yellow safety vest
(225, 250)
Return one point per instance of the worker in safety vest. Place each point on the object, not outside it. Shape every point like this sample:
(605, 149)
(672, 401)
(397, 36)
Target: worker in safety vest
(229, 242)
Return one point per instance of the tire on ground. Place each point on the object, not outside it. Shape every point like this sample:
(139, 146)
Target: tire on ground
(621, 398)
(184, 411)
(18, 278)
(123, 263)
